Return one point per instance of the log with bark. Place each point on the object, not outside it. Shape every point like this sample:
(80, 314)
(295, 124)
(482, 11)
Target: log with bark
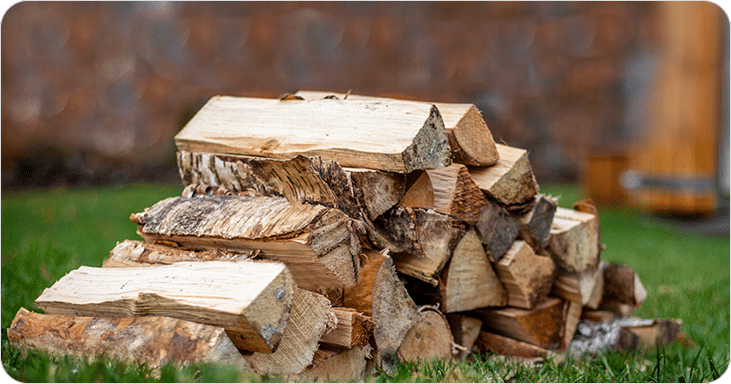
(133, 253)
(576, 286)
(527, 277)
(393, 137)
(470, 139)
(623, 285)
(510, 182)
(535, 225)
(250, 300)
(497, 230)
(429, 338)
(507, 346)
(574, 241)
(352, 329)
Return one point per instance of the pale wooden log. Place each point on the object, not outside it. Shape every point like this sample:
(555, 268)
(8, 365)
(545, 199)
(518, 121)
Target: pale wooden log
(465, 331)
(510, 181)
(152, 340)
(574, 240)
(379, 294)
(587, 205)
(652, 333)
(576, 286)
(470, 139)
(429, 338)
(320, 243)
(623, 285)
(353, 328)
(497, 230)
(597, 292)
(572, 313)
(393, 137)
(337, 365)
(250, 300)
(506, 346)
(541, 326)
(535, 225)
(450, 190)
(527, 277)
(310, 317)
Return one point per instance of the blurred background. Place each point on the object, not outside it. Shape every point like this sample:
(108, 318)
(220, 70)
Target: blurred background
(630, 99)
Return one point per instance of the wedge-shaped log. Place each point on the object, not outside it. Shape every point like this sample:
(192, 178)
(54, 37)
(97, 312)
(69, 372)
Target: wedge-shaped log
(541, 326)
(506, 346)
(310, 317)
(575, 286)
(352, 329)
(623, 285)
(470, 139)
(319, 243)
(250, 300)
(652, 333)
(527, 277)
(133, 253)
(535, 225)
(379, 294)
(152, 340)
(394, 137)
(337, 365)
(574, 240)
(497, 230)
(511, 181)
(465, 330)
(429, 338)
(449, 190)
(572, 314)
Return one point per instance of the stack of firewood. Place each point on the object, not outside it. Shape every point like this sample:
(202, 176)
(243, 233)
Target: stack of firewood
(321, 234)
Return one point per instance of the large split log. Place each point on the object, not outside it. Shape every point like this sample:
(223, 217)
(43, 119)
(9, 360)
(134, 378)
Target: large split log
(133, 253)
(153, 340)
(527, 277)
(310, 318)
(336, 365)
(506, 346)
(352, 329)
(465, 331)
(321, 244)
(572, 315)
(449, 190)
(541, 326)
(577, 286)
(497, 230)
(535, 225)
(429, 338)
(470, 139)
(574, 241)
(510, 182)
(623, 285)
(250, 300)
(394, 137)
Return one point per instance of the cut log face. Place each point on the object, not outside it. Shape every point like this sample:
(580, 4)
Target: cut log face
(337, 365)
(353, 328)
(429, 338)
(527, 277)
(652, 333)
(465, 331)
(577, 287)
(541, 326)
(503, 345)
(250, 300)
(320, 243)
(510, 182)
(622, 284)
(497, 229)
(153, 340)
(309, 319)
(470, 139)
(574, 240)
(535, 225)
(393, 137)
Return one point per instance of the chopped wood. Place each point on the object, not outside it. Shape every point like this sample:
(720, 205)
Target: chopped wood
(379, 294)
(497, 230)
(449, 190)
(598, 316)
(309, 319)
(597, 292)
(132, 253)
(574, 240)
(527, 277)
(470, 139)
(541, 326)
(576, 286)
(571, 316)
(250, 300)
(376, 191)
(337, 365)
(620, 310)
(352, 329)
(153, 340)
(535, 225)
(393, 137)
(621, 284)
(429, 338)
(503, 345)
(510, 181)
(652, 333)
(465, 331)
(594, 337)
(319, 244)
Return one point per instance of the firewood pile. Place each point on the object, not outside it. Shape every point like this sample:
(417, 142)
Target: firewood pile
(320, 235)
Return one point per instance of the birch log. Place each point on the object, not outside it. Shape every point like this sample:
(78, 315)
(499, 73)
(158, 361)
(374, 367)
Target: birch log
(574, 241)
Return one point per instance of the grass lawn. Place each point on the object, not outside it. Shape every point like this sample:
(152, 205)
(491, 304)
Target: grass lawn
(46, 234)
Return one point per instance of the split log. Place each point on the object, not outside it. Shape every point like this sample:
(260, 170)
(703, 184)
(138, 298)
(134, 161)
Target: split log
(535, 225)
(527, 277)
(449, 190)
(429, 338)
(597, 292)
(497, 229)
(393, 137)
(598, 316)
(319, 244)
(337, 365)
(620, 310)
(541, 326)
(621, 284)
(576, 286)
(353, 328)
(510, 181)
(572, 314)
(506, 346)
(594, 337)
(379, 294)
(470, 139)
(250, 300)
(465, 331)
(132, 253)
(652, 333)
(309, 319)
(574, 240)
(152, 340)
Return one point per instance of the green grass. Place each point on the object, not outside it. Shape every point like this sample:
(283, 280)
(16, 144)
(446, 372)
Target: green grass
(46, 234)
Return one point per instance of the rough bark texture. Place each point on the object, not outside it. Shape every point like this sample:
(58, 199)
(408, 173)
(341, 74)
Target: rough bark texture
(337, 365)
(250, 300)
(131, 253)
(527, 277)
(497, 230)
(152, 340)
(465, 330)
(510, 182)
(535, 225)
(574, 240)
(429, 338)
(353, 328)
